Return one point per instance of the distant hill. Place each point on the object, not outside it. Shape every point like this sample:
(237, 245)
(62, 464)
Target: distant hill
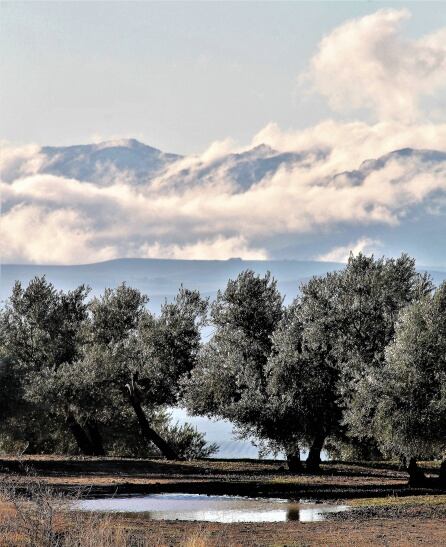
(132, 161)
(161, 278)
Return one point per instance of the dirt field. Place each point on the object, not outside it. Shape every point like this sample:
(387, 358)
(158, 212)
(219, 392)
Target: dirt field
(400, 531)
(384, 510)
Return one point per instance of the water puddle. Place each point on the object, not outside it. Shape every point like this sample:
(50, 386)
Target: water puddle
(201, 507)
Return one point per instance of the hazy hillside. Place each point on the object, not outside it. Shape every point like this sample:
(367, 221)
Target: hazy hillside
(161, 279)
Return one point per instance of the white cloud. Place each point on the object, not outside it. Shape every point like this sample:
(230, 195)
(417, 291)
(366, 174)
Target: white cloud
(364, 245)
(350, 143)
(217, 149)
(32, 234)
(219, 248)
(367, 63)
(196, 210)
(17, 161)
(73, 221)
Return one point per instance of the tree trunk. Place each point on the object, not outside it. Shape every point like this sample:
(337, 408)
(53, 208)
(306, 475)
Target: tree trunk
(83, 442)
(442, 476)
(95, 438)
(314, 456)
(150, 434)
(416, 475)
(403, 463)
(294, 463)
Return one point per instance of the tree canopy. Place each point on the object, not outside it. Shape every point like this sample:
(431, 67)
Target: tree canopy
(356, 363)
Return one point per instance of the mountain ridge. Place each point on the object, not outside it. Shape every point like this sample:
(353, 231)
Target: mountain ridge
(161, 278)
(155, 203)
(111, 159)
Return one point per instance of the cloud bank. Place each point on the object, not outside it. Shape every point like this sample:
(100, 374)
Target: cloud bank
(367, 63)
(195, 207)
(341, 254)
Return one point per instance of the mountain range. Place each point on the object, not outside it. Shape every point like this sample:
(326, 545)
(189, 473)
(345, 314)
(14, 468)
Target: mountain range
(122, 198)
(105, 162)
(102, 162)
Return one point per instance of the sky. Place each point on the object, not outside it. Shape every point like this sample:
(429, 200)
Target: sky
(177, 76)
(341, 83)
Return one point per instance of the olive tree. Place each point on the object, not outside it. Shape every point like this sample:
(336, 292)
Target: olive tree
(371, 294)
(329, 344)
(102, 370)
(302, 379)
(410, 420)
(41, 330)
(231, 378)
(137, 360)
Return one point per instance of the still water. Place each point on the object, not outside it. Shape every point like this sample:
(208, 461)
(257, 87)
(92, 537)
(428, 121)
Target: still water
(201, 507)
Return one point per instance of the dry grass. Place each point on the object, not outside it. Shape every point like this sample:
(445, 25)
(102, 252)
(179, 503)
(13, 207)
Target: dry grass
(33, 516)
(392, 501)
(89, 530)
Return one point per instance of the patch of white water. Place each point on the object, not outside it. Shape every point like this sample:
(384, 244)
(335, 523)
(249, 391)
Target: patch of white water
(200, 507)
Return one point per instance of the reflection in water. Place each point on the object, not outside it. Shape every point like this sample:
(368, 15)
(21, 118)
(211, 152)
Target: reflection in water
(293, 514)
(200, 507)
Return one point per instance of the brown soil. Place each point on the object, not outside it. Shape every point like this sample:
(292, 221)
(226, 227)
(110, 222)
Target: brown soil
(371, 522)
(104, 476)
(401, 532)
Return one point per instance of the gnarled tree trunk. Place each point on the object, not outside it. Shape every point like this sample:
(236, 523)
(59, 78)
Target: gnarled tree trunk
(416, 475)
(293, 458)
(95, 437)
(442, 475)
(314, 456)
(82, 440)
(147, 431)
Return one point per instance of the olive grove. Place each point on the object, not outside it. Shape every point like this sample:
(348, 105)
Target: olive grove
(354, 365)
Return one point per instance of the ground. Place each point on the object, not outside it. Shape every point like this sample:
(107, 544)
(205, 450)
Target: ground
(384, 510)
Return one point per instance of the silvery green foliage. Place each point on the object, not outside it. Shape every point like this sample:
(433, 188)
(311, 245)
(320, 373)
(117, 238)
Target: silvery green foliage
(41, 327)
(230, 380)
(371, 294)
(335, 343)
(130, 348)
(187, 441)
(41, 330)
(411, 390)
(129, 344)
(301, 379)
(62, 356)
(285, 378)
